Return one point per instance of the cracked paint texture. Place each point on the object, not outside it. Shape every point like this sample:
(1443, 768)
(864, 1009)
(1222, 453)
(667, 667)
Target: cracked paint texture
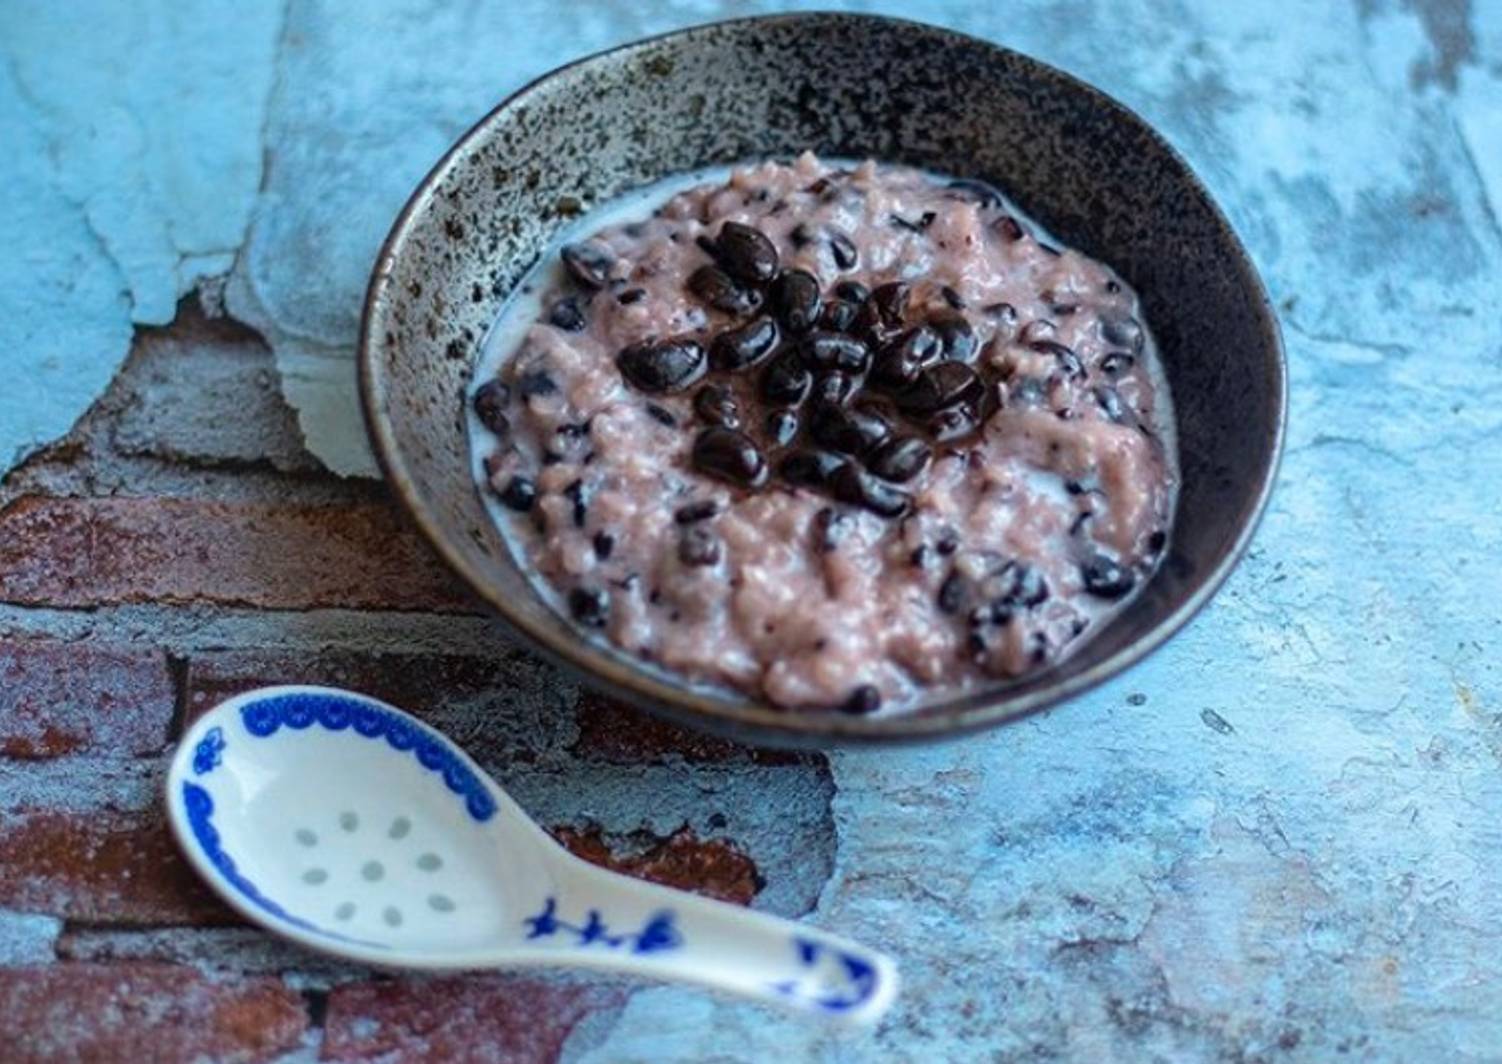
(132, 162)
(1278, 838)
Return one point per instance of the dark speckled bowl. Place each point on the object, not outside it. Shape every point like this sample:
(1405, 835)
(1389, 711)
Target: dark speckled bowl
(843, 85)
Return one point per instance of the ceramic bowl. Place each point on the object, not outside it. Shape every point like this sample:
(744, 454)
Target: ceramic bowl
(1088, 169)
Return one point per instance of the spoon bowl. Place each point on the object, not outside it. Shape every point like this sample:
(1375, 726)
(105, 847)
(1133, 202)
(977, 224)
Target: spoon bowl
(346, 825)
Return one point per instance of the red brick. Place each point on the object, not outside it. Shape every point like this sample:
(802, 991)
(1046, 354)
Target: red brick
(62, 698)
(713, 867)
(485, 1019)
(144, 1012)
(616, 733)
(93, 552)
(104, 867)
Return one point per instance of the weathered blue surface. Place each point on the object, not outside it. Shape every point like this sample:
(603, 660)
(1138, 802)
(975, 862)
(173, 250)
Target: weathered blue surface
(1281, 837)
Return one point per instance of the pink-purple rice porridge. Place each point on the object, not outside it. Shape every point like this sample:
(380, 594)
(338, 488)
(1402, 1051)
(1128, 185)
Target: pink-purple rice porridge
(838, 437)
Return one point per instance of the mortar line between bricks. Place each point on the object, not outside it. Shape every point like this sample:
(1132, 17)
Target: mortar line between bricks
(177, 669)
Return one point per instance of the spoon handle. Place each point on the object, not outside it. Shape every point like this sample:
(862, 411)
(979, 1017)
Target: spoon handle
(604, 920)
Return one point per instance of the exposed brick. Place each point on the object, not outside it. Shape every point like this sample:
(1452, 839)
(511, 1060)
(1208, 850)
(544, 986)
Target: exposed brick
(205, 392)
(106, 867)
(712, 867)
(61, 698)
(480, 1019)
(103, 551)
(144, 1012)
(614, 732)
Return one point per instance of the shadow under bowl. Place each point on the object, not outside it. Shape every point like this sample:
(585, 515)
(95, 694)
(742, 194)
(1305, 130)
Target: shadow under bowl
(855, 86)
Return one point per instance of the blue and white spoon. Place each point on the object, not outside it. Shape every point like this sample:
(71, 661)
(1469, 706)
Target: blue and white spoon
(350, 827)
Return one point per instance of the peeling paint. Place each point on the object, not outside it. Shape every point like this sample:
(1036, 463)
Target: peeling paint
(1275, 840)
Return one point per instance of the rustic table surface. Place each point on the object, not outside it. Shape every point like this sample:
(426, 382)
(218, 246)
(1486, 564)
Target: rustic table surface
(1279, 839)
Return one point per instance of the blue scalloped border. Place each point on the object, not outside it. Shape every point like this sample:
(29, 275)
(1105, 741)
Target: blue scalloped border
(301, 710)
(200, 809)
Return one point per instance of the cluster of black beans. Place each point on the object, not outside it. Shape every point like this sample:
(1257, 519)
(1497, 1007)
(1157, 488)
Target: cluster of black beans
(853, 388)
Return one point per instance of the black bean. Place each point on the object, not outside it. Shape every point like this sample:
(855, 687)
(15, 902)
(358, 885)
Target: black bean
(956, 335)
(939, 387)
(913, 227)
(809, 469)
(843, 249)
(953, 298)
(662, 365)
(702, 510)
(795, 300)
(854, 485)
(716, 288)
(588, 263)
(873, 328)
(781, 426)
(863, 700)
(1037, 329)
(1004, 313)
(834, 388)
(718, 405)
(730, 456)
(838, 315)
(1116, 363)
(1157, 541)
(746, 254)
(604, 544)
(567, 441)
(849, 430)
(1017, 584)
(661, 415)
(900, 459)
(1106, 578)
(786, 380)
(535, 382)
(519, 494)
(898, 364)
(1009, 228)
(490, 401)
(891, 301)
(1111, 405)
(951, 424)
(852, 292)
(590, 606)
(952, 593)
(1068, 360)
(580, 494)
(698, 546)
(823, 350)
(735, 349)
(630, 295)
(568, 314)
(830, 529)
(1123, 332)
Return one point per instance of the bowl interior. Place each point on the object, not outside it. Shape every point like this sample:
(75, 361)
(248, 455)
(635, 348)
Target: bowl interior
(841, 85)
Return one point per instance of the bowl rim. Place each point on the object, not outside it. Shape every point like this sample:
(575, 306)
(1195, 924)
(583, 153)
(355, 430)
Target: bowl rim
(750, 720)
